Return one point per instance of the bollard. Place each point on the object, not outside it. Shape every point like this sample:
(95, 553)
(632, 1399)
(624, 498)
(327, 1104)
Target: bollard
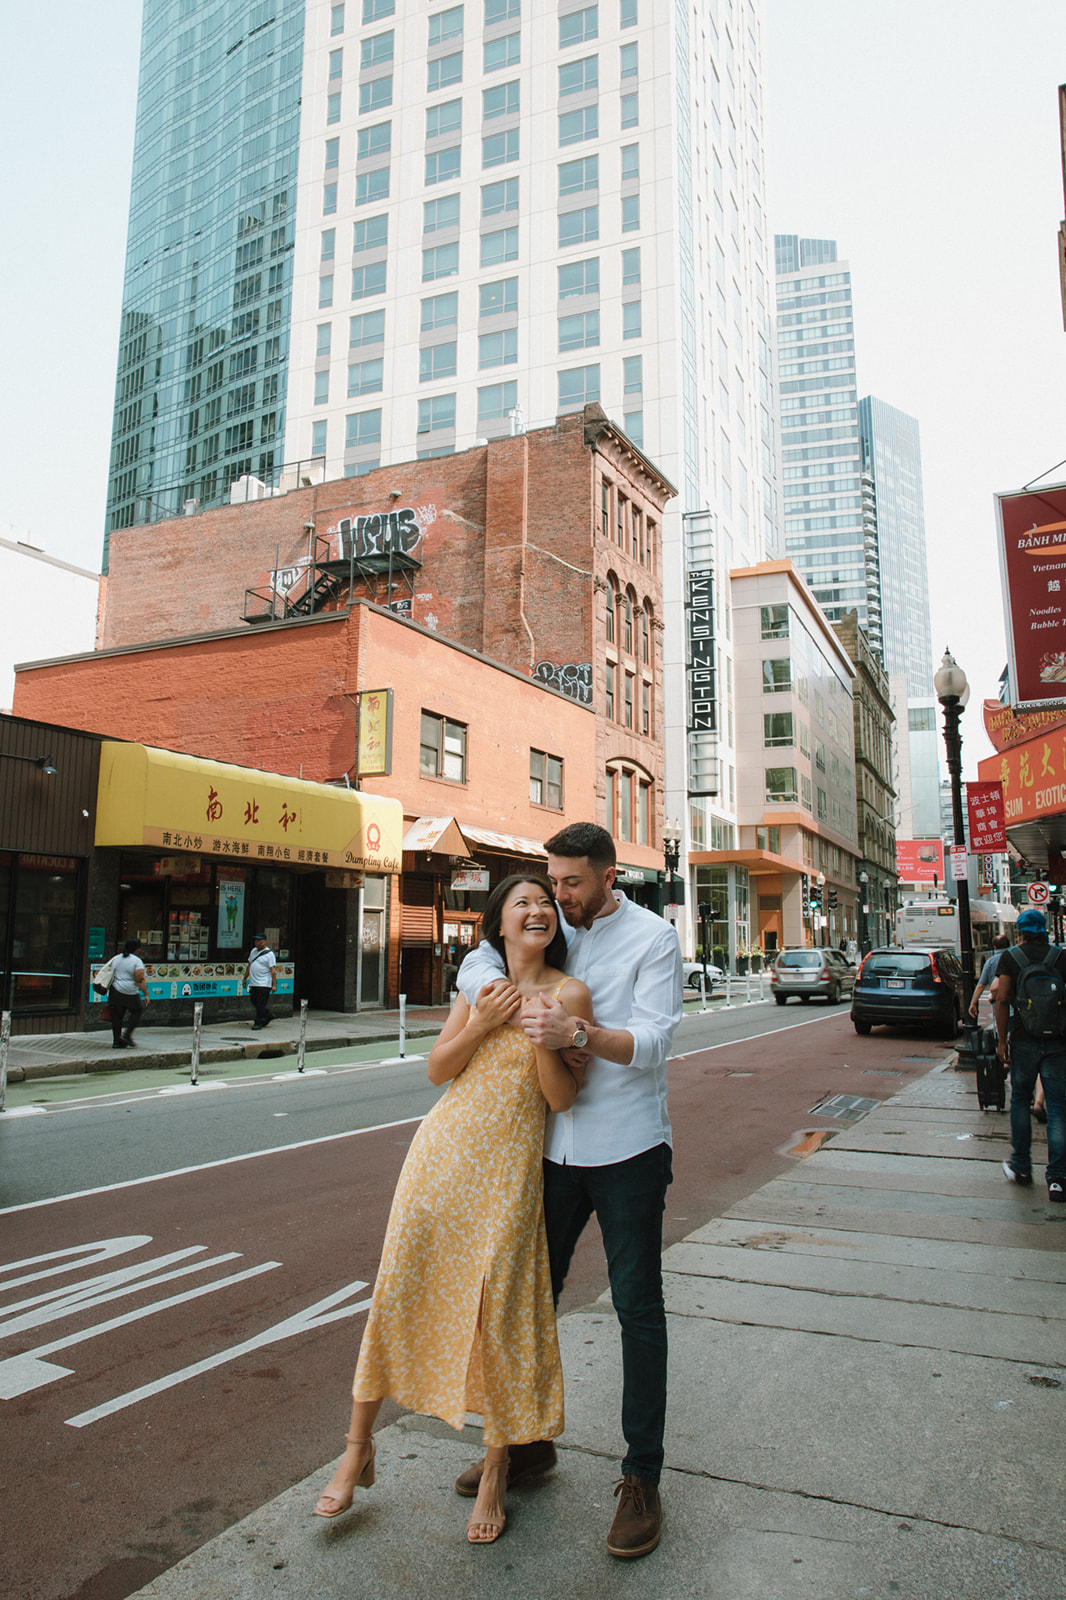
(303, 1037)
(197, 1021)
(747, 988)
(5, 1046)
(703, 990)
(403, 1026)
(728, 992)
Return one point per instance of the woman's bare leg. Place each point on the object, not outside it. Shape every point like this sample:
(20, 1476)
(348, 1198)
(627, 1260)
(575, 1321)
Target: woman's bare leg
(337, 1495)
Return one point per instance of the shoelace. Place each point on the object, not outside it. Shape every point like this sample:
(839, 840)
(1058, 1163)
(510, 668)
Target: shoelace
(631, 1489)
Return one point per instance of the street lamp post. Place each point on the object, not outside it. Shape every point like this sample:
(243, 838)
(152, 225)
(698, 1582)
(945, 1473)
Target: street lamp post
(864, 909)
(671, 855)
(953, 690)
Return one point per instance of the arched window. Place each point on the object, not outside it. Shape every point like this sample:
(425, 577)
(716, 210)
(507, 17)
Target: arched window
(645, 634)
(612, 602)
(630, 804)
(627, 622)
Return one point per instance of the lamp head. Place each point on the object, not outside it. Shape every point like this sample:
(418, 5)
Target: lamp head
(949, 680)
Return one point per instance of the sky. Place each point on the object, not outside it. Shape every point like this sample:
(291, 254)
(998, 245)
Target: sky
(922, 135)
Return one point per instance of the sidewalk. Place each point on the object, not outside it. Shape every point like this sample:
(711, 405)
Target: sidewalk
(868, 1398)
(51, 1055)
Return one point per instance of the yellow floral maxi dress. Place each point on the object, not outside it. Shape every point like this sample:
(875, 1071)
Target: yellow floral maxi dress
(462, 1317)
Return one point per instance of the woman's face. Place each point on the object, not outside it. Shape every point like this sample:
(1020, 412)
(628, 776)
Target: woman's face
(528, 917)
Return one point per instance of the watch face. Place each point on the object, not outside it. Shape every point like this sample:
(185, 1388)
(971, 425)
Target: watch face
(580, 1038)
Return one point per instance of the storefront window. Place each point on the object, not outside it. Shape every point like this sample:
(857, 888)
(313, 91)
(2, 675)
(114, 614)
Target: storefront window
(712, 891)
(38, 925)
(272, 901)
(205, 914)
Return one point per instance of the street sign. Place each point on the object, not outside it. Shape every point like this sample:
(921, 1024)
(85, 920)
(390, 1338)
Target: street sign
(1038, 894)
(959, 862)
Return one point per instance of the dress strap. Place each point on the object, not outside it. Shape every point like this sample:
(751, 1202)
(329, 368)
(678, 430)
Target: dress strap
(559, 987)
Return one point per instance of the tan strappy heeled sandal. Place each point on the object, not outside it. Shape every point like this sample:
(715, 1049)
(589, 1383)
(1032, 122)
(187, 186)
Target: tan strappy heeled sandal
(494, 1481)
(363, 1481)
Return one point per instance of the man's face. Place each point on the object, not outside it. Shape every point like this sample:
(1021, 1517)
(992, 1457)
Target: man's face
(582, 890)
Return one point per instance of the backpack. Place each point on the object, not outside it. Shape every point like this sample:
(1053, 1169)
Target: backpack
(1039, 998)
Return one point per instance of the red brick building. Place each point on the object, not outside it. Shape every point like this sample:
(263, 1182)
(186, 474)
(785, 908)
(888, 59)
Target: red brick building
(509, 598)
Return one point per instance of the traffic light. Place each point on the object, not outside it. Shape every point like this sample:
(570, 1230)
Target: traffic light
(834, 899)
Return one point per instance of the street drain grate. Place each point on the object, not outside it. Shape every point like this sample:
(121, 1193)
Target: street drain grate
(848, 1107)
(882, 1072)
(920, 1058)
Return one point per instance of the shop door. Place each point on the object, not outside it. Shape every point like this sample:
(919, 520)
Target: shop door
(322, 945)
(372, 966)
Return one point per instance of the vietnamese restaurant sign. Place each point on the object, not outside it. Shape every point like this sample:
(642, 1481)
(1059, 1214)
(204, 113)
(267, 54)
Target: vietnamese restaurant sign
(1032, 545)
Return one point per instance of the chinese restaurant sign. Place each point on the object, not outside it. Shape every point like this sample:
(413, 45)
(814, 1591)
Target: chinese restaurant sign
(373, 757)
(1032, 534)
(181, 803)
(919, 860)
(1032, 777)
(988, 827)
(1005, 726)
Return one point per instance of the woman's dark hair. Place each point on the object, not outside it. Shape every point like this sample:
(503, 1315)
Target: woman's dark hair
(131, 946)
(492, 918)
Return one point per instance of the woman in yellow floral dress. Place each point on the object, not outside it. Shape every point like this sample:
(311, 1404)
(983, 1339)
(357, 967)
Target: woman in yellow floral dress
(462, 1317)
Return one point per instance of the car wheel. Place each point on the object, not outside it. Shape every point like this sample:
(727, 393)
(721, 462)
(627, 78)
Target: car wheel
(951, 1029)
(781, 999)
(861, 1027)
(693, 980)
(833, 997)
(805, 999)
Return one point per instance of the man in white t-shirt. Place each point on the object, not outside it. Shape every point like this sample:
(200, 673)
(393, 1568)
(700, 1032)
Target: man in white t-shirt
(611, 1152)
(260, 978)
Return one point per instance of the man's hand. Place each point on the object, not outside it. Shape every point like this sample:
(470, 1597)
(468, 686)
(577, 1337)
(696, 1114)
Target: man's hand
(973, 1008)
(549, 1025)
(1001, 1051)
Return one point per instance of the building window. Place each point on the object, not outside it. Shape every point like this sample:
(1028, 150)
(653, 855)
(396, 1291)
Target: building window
(579, 227)
(377, 50)
(497, 349)
(321, 388)
(579, 27)
(545, 780)
(442, 752)
(333, 153)
(823, 809)
(329, 244)
(336, 19)
(329, 199)
(497, 198)
(629, 14)
(576, 126)
(445, 118)
(781, 786)
(505, 52)
(630, 213)
(580, 331)
(494, 299)
(774, 622)
(438, 361)
(318, 438)
(501, 101)
(579, 387)
(576, 176)
(440, 311)
(374, 141)
(776, 675)
(325, 292)
(362, 428)
(371, 187)
(631, 265)
(778, 728)
(324, 338)
(365, 377)
(768, 839)
(578, 278)
(443, 165)
(496, 401)
(437, 413)
(629, 803)
(373, 96)
(368, 280)
(499, 247)
(630, 110)
(633, 374)
(442, 213)
(445, 71)
(502, 11)
(612, 593)
(645, 707)
(577, 77)
(374, 10)
(631, 319)
(499, 148)
(370, 235)
(609, 679)
(440, 262)
(627, 718)
(446, 25)
(628, 60)
(333, 107)
(645, 638)
(605, 523)
(367, 329)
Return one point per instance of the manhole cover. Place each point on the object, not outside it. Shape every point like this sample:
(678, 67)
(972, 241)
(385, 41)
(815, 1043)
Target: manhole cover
(849, 1107)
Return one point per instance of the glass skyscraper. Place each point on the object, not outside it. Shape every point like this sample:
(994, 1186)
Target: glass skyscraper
(892, 463)
(203, 353)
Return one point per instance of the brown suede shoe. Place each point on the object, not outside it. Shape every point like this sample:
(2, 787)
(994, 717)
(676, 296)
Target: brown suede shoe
(527, 1461)
(638, 1522)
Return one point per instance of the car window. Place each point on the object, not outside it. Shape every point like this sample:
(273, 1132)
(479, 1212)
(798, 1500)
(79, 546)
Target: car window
(800, 958)
(896, 964)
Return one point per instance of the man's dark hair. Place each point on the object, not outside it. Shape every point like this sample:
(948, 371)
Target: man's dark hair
(492, 918)
(131, 946)
(1001, 942)
(584, 839)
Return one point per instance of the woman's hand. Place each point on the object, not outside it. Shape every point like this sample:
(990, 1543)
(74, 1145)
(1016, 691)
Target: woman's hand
(497, 1003)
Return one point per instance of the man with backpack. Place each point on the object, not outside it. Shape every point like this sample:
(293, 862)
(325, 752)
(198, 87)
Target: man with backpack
(1032, 984)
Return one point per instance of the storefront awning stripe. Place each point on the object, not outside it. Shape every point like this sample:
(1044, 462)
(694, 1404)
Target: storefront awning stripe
(513, 843)
(174, 802)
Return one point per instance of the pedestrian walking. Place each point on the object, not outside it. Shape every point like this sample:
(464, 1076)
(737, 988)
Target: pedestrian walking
(988, 972)
(1031, 1025)
(128, 994)
(610, 1154)
(260, 978)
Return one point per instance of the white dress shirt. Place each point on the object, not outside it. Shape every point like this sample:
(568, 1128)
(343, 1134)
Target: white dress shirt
(631, 962)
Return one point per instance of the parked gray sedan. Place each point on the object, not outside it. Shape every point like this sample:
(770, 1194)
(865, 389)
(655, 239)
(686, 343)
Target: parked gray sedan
(804, 973)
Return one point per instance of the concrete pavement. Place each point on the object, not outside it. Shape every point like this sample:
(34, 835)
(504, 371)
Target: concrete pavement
(868, 1398)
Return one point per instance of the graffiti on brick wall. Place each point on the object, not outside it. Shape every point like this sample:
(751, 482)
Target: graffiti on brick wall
(574, 679)
(380, 532)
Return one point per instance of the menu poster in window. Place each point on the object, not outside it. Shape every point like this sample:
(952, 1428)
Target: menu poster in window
(230, 915)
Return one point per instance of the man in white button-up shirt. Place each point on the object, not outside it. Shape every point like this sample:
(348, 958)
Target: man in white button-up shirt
(611, 1153)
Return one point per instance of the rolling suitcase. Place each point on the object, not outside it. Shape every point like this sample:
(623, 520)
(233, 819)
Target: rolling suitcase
(991, 1074)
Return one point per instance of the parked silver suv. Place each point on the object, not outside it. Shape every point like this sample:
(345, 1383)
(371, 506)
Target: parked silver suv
(807, 972)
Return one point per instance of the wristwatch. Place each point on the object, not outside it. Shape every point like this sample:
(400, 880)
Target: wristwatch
(580, 1037)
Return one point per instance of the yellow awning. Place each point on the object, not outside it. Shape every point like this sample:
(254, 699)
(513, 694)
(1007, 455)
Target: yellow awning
(183, 803)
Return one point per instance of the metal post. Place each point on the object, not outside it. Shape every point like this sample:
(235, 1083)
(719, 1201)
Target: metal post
(301, 1047)
(403, 1025)
(5, 1046)
(728, 990)
(953, 742)
(197, 1023)
(747, 987)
